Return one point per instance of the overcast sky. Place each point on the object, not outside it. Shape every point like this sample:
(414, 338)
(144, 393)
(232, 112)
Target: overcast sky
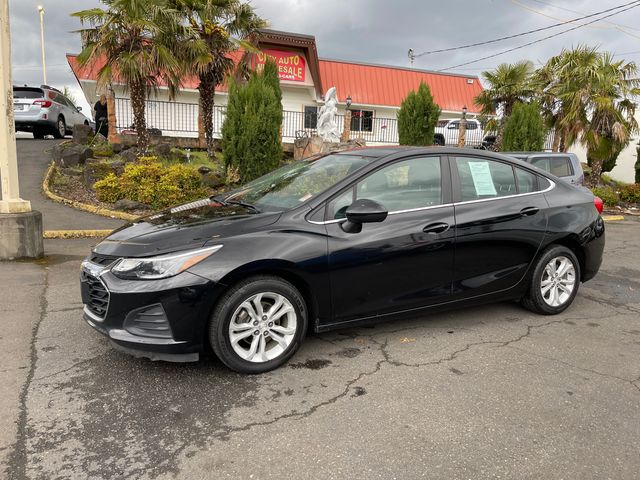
(375, 31)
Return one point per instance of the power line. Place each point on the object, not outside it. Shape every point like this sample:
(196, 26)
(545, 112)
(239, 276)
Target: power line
(461, 47)
(636, 4)
(581, 13)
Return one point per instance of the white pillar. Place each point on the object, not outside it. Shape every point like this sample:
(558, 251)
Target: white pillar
(44, 61)
(11, 201)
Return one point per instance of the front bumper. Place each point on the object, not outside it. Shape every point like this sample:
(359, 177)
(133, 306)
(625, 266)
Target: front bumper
(159, 319)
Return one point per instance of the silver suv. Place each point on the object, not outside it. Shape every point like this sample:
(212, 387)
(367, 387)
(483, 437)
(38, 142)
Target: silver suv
(563, 165)
(44, 111)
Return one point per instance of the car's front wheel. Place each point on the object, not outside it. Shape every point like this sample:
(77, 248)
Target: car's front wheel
(554, 283)
(258, 324)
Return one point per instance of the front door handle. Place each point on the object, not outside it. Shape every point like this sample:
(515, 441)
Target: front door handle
(436, 228)
(525, 212)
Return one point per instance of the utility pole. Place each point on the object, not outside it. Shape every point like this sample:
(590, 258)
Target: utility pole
(44, 61)
(20, 227)
(412, 56)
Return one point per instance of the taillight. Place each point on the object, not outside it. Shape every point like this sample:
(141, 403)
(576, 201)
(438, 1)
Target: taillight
(43, 103)
(597, 201)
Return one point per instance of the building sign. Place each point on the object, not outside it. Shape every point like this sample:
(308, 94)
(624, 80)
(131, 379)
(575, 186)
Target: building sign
(291, 65)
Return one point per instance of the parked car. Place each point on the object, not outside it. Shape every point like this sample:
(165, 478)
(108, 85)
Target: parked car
(447, 133)
(337, 240)
(563, 165)
(44, 111)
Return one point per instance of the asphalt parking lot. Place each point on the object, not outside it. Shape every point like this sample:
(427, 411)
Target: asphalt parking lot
(491, 392)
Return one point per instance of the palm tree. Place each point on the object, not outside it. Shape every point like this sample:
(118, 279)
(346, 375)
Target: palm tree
(611, 85)
(561, 92)
(137, 41)
(506, 85)
(223, 26)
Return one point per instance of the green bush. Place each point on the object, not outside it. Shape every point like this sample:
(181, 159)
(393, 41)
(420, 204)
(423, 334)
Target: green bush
(608, 195)
(149, 182)
(630, 193)
(251, 131)
(524, 130)
(417, 117)
(636, 166)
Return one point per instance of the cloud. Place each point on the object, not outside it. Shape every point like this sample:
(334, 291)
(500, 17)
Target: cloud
(376, 31)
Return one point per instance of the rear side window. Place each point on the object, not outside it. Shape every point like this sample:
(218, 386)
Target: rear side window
(27, 93)
(527, 181)
(558, 166)
(481, 178)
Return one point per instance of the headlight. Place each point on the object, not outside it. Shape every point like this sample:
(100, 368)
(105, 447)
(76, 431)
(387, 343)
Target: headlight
(162, 266)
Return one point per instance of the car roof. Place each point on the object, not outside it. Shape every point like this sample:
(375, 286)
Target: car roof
(526, 154)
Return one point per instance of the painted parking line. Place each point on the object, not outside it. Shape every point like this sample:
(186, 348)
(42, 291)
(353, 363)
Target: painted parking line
(48, 234)
(612, 218)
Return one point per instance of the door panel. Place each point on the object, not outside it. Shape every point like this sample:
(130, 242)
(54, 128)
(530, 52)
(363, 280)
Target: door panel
(499, 233)
(392, 265)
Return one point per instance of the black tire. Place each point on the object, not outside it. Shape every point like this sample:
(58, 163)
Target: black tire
(231, 301)
(534, 299)
(61, 128)
(38, 134)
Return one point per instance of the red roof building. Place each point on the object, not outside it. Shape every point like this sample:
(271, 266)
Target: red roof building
(375, 91)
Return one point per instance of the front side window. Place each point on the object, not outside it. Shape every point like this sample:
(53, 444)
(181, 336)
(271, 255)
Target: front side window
(311, 117)
(404, 185)
(481, 178)
(361, 121)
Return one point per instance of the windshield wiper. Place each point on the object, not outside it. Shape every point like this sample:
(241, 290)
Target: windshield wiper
(222, 200)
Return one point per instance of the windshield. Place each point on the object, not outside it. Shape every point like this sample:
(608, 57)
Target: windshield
(291, 185)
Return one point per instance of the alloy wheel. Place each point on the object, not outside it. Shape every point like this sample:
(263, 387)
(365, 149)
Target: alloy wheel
(62, 128)
(263, 327)
(558, 281)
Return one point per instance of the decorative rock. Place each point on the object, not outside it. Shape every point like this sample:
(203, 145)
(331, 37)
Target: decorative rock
(307, 147)
(126, 204)
(129, 155)
(163, 150)
(95, 170)
(81, 133)
(203, 170)
(70, 155)
(213, 180)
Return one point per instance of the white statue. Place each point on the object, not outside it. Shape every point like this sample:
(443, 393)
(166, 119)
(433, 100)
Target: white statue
(327, 125)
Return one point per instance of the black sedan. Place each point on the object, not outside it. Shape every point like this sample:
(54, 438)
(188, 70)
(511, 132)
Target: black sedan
(336, 240)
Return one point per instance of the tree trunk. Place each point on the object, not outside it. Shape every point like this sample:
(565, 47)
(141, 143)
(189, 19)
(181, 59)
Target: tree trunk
(138, 97)
(556, 140)
(207, 94)
(596, 172)
(563, 144)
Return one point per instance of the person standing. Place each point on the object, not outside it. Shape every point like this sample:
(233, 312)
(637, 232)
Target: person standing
(102, 116)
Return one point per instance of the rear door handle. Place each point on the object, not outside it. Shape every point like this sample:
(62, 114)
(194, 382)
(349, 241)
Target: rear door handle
(525, 212)
(436, 228)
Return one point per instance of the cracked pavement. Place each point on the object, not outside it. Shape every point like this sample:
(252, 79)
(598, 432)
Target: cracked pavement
(486, 392)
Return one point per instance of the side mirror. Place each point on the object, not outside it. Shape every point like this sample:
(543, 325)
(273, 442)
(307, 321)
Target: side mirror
(363, 211)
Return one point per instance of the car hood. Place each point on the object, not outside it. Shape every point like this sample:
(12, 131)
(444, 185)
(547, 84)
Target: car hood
(181, 228)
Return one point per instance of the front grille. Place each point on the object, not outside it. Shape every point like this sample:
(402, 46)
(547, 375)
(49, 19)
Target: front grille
(98, 296)
(148, 321)
(103, 260)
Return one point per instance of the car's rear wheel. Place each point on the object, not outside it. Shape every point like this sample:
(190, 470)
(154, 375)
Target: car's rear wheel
(554, 282)
(258, 324)
(61, 128)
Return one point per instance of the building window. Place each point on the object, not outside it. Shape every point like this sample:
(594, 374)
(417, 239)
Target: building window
(361, 121)
(311, 117)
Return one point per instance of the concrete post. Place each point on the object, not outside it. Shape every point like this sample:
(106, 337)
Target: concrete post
(20, 228)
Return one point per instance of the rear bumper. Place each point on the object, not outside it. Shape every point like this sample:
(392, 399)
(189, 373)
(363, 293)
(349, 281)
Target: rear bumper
(31, 125)
(593, 250)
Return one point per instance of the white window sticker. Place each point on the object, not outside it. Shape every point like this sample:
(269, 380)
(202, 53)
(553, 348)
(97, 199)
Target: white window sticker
(482, 180)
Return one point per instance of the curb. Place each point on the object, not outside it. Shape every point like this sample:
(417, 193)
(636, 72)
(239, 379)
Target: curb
(612, 218)
(105, 212)
(52, 234)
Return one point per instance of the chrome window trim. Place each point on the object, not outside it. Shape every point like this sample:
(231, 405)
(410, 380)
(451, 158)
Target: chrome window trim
(548, 189)
(551, 186)
(395, 212)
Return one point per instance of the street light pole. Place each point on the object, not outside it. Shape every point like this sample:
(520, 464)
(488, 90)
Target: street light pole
(44, 61)
(463, 128)
(20, 227)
